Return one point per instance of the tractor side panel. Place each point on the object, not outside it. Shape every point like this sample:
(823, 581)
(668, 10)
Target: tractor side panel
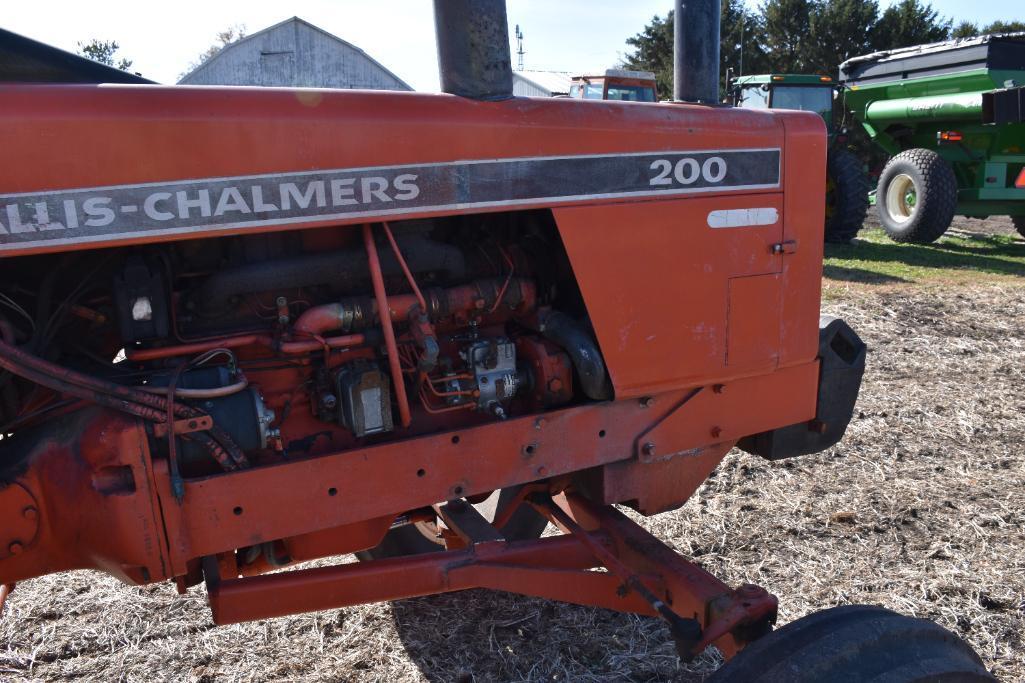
(656, 281)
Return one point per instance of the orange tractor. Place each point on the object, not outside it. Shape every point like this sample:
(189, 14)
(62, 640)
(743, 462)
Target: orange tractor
(245, 328)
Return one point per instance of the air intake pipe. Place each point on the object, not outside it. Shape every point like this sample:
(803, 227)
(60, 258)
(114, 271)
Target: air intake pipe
(473, 48)
(696, 51)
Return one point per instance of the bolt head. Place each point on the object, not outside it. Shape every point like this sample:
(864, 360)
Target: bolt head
(542, 471)
(539, 423)
(555, 385)
(15, 548)
(647, 402)
(648, 448)
(30, 513)
(718, 388)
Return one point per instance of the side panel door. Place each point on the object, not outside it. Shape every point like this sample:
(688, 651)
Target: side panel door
(680, 291)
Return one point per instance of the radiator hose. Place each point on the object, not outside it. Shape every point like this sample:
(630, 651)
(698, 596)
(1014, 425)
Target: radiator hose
(583, 351)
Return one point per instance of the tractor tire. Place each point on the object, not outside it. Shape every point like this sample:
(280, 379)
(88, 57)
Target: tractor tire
(1019, 224)
(525, 524)
(846, 196)
(856, 643)
(916, 196)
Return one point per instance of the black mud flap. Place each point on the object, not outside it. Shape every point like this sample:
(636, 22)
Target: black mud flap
(842, 363)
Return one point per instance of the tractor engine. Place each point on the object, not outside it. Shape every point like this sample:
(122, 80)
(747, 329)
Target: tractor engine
(280, 339)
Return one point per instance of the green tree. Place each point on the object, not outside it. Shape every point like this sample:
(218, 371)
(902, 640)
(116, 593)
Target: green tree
(1005, 27)
(784, 34)
(968, 29)
(104, 51)
(965, 29)
(907, 23)
(837, 31)
(739, 39)
(653, 51)
(741, 50)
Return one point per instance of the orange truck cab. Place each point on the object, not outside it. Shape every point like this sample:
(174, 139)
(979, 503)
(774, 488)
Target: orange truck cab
(615, 84)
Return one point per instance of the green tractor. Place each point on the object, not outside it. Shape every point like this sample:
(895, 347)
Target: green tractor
(846, 183)
(951, 116)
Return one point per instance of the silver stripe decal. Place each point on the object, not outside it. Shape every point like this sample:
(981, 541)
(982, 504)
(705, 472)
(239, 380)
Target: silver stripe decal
(130, 212)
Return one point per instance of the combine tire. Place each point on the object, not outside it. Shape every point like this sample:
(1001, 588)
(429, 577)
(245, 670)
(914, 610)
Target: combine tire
(916, 197)
(1019, 224)
(414, 539)
(856, 643)
(846, 196)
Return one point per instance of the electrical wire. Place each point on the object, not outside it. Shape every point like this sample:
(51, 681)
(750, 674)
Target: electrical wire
(130, 400)
(14, 306)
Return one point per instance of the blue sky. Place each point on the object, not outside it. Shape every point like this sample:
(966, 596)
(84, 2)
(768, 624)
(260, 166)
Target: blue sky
(564, 35)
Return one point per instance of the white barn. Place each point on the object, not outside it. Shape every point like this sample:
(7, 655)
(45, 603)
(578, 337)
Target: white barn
(294, 53)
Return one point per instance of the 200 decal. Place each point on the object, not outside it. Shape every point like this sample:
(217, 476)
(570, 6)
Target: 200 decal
(688, 171)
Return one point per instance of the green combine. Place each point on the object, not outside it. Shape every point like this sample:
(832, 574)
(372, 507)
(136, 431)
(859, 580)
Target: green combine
(846, 183)
(952, 117)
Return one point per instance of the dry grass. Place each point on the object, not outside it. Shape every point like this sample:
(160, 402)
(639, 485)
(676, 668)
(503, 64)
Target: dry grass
(921, 509)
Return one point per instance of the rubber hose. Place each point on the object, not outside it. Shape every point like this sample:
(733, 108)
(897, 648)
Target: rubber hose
(576, 341)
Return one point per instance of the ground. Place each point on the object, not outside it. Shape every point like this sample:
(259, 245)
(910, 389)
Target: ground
(921, 508)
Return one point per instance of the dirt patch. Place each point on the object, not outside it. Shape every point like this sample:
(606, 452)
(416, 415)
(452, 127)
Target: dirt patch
(963, 226)
(921, 508)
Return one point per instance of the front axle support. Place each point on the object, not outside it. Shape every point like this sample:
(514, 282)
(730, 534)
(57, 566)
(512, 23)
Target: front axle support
(601, 559)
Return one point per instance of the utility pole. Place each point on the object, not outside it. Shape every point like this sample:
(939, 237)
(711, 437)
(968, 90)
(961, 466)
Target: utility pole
(743, 20)
(519, 48)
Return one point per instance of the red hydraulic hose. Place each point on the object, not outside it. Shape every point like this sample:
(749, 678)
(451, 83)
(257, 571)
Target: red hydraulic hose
(18, 359)
(130, 400)
(293, 347)
(377, 277)
(405, 269)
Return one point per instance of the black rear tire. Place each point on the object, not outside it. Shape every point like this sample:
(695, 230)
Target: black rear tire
(856, 643)
(846, 196)
(916, 196)
(1019, 224)
(524, 524)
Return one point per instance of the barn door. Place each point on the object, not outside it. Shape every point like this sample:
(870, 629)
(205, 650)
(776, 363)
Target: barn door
(277, 69)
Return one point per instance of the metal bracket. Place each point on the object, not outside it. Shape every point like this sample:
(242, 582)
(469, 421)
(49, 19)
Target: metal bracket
(186, 426)
(787, 247)
(470, 525)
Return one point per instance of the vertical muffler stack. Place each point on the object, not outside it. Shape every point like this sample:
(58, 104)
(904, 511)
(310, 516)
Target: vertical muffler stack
(696, 51)
(473, 48)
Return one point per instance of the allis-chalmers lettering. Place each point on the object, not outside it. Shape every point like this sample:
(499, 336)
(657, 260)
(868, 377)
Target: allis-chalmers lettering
(110, 214)
(101, 211)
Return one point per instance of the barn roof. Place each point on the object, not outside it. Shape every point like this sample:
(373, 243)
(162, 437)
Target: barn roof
(286, 22)
(556, 82)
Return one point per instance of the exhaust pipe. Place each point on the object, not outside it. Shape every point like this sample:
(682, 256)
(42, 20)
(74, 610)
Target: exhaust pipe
(473, 48)
(695, 51)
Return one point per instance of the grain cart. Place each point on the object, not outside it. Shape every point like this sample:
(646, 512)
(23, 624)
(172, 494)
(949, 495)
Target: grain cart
(846, 182)
(952, 115)
(246, 328)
